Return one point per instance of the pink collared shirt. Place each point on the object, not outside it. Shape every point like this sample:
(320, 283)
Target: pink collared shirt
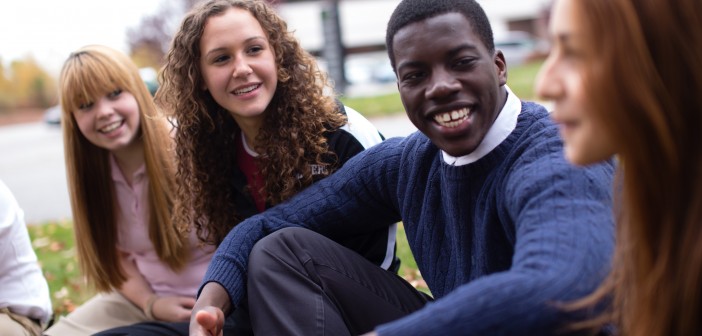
(132, 223)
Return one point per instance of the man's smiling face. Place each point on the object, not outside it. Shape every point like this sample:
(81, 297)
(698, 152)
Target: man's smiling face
(451, 85)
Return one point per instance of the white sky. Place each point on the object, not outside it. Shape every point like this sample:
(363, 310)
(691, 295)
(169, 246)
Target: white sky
(49, 30)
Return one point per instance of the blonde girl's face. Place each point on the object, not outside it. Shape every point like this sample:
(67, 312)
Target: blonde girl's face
(110, 121)
(561, 80)
(238, 65)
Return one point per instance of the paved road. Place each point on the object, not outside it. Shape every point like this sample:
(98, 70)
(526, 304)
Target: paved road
(32, 165)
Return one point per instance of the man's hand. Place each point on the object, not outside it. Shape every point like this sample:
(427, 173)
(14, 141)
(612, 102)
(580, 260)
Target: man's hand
(207, 317)
(207, 321)
(172, 308)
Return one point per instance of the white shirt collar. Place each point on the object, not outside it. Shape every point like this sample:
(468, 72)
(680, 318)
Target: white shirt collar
(248, 149)
(505, 123)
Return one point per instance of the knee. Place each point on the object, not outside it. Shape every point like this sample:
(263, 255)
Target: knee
(274, 241)
(274, 247)
(8, 326)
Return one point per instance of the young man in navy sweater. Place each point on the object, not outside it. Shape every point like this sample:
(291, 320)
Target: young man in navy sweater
(503, 229)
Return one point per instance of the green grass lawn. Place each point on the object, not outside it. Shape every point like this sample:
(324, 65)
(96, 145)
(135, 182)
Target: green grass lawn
(519, 78)
(375, 106)
(54, 244)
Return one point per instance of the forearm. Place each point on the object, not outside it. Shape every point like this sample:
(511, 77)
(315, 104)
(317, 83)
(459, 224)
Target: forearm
(523, 300)
(136, 289)
(213, 295)
(209, 311)
(562, 249)
(501, 304)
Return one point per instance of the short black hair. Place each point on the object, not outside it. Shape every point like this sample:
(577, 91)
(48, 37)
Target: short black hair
(411, 11)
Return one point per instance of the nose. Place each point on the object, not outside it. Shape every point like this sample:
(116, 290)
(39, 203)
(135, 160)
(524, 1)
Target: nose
(242, 69)
(442, 84)
(104, 108)
(548, 82)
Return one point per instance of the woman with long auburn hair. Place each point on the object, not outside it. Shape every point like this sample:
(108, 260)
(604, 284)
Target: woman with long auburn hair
(120, 169)
(626, 79)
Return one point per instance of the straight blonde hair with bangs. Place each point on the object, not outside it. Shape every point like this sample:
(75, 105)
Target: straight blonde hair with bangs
(87, 74)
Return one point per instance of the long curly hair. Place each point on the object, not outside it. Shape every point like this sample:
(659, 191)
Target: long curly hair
(88, 73)
(653, 113)
(292, 136)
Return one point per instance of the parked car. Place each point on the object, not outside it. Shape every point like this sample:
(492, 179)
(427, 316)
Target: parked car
(517, 46)
(52, 115)
(382, 72)
(150, 77)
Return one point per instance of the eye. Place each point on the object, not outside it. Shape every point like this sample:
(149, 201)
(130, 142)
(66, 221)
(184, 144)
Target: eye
(255, 49)
(85, 106)
(412, 76)
(464, 62)
(571, 52)
(115, 93)
(220, 59)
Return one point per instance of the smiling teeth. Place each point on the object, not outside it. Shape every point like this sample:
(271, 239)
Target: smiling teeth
(452, 118)
(246, 89)
(111, 127)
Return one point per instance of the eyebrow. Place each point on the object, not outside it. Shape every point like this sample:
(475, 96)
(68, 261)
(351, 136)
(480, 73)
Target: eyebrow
(451, 53)
(462, 47)
(257, 37)
(566, 37)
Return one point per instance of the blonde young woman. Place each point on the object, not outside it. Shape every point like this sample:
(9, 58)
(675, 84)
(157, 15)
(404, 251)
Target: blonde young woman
(626, 79)
(120, 170)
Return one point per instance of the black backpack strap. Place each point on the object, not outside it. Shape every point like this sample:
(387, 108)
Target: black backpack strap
(340, 106)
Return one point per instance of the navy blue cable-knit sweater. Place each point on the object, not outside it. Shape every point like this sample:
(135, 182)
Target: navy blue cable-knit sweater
(500, 242)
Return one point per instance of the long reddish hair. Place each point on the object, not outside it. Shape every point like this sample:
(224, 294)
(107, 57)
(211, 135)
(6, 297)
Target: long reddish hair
(645, 82)
(91, 72)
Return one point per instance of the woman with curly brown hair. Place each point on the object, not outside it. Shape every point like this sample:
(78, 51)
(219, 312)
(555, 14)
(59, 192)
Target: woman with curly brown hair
(255, 123)
(625, 77)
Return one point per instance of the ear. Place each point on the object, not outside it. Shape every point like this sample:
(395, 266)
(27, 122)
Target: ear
(501, 67)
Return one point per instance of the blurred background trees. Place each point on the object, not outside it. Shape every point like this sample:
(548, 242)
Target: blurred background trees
(149, 41)
(25, 84)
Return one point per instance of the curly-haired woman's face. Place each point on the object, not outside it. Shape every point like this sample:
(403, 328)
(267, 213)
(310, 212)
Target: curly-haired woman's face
(238, 65)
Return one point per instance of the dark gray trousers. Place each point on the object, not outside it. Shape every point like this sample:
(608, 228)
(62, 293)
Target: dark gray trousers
(302, 283)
